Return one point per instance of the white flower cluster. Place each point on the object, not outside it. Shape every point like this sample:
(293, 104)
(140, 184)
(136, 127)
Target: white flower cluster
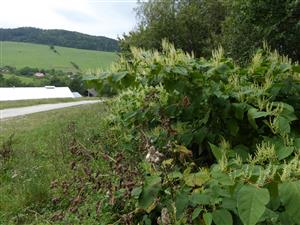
(153, 155)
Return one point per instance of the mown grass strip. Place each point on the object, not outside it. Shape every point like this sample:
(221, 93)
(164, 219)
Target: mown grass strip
(24, 103)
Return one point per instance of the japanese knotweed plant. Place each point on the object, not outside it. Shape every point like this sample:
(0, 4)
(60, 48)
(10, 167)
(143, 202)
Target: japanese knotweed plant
(220, 142)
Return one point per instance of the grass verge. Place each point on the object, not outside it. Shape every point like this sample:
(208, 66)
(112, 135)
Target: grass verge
(24, 103)
(35, 151)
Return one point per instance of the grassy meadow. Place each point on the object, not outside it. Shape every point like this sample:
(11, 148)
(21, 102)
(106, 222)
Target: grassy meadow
(21, 55)
(35, 151)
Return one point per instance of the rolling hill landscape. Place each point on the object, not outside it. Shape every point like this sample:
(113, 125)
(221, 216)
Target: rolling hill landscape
(60, 57)
(19, 55)
(60, 38)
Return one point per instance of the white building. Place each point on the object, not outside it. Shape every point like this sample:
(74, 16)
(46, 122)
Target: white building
(76, 95)
(25, 93)
(39, 75)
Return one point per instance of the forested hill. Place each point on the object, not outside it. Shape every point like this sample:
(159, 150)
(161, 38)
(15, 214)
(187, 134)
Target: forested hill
(60, 38)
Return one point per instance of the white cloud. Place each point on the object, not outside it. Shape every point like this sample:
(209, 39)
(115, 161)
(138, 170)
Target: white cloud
(96, 17)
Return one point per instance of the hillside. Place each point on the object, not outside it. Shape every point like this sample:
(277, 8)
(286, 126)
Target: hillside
(21, 55)
(60, 38)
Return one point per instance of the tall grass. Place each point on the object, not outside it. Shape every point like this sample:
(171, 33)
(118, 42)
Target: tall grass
(38, 154)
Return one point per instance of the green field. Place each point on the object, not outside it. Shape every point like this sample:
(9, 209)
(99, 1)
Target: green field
(20, 55)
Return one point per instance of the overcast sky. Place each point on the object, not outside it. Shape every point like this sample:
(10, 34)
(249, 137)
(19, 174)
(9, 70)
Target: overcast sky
(110, 18)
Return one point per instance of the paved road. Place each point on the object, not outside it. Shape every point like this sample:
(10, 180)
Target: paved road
(14, 112)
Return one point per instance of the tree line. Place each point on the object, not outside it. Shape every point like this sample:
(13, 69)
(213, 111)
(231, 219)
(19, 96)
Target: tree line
(199, 26)
(52, 77)
(60, 38)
